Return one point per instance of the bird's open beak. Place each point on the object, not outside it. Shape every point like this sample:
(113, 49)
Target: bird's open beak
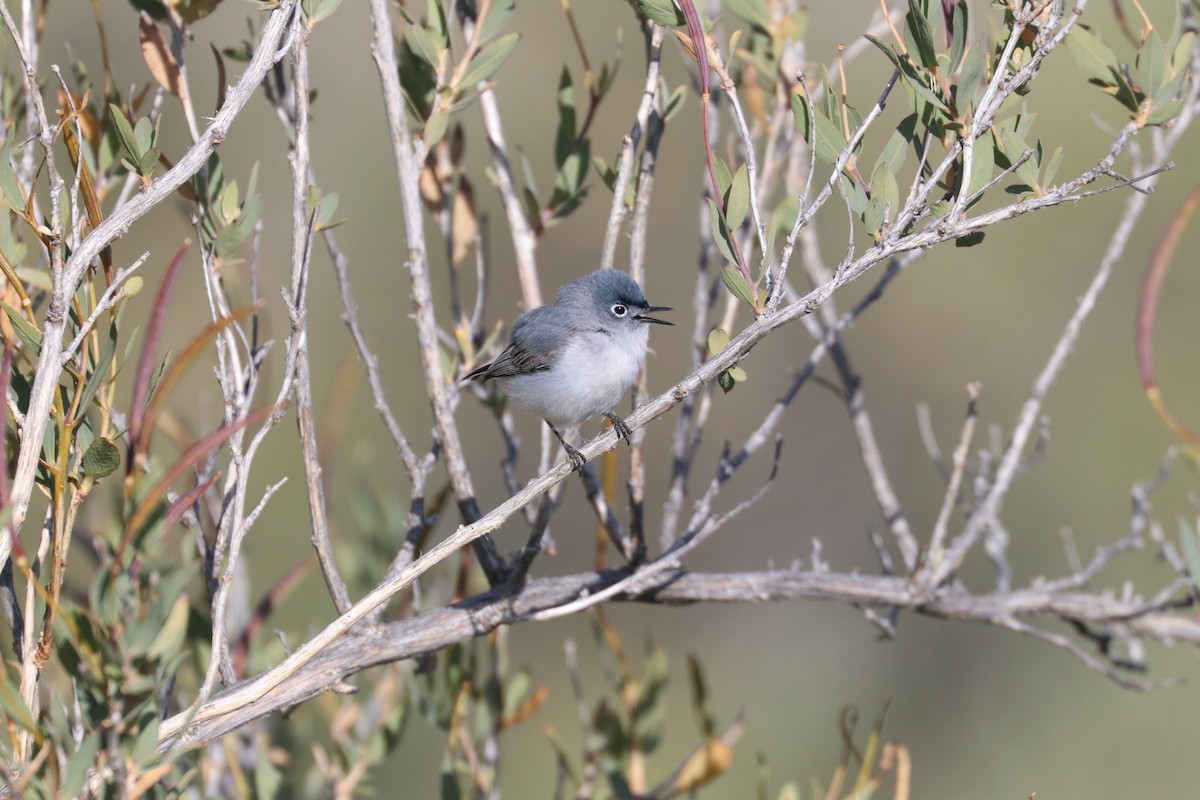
(643, 318)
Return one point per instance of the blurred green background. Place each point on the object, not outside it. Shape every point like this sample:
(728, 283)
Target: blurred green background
(985, 712)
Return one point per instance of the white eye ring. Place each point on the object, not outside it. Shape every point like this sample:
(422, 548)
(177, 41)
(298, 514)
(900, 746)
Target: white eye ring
(619, 309)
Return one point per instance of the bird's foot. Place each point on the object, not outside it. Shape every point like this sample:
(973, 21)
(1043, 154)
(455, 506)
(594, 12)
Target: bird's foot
(619, 426)
(575, 457)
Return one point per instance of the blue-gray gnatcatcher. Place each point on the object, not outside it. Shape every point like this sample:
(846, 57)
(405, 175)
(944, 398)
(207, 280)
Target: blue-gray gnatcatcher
(577, 358)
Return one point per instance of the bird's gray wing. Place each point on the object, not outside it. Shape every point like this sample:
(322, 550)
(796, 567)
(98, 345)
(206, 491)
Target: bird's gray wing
(535, 346)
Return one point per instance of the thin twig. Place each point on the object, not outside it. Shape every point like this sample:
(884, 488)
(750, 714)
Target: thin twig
(953, 485)
(407, 161)
(303, 227)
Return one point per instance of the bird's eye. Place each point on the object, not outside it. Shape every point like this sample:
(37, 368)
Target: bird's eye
(619, 310)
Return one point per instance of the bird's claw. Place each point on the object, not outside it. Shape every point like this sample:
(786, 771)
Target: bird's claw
(620, 426)
(575, 457)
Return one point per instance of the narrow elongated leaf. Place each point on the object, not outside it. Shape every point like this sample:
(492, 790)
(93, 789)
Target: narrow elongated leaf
(828, 141)
(78, 765)
(498, 14)
(736, 284)
(958, 33)
(9, 187)
(125, 133)
(664, 12)
(29, 335)
(724, 178)
(739, 199)
(100, 373)
(1150, 69)
(490, 58)
(916, 26)
(720, 232)
(967, 89)
(1092, 55)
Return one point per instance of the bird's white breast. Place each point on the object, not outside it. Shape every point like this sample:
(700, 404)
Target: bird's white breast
(590, 376)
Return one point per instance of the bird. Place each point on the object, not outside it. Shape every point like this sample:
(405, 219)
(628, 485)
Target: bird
(576, 359)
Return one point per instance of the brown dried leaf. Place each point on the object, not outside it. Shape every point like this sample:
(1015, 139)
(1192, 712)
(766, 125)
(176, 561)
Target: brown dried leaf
(430, 187)
(159, 57)
(704, 764)
(756, 98)
(526, 709)
(686, 41)
(464, 225)
(92, 132)
(10, 296)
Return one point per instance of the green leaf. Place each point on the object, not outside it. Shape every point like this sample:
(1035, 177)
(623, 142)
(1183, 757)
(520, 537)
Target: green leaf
(326, 209)
(829, 142)
(145, 164)
(146, 745)
(885, 187)
(916, 26)
(607, 174)
(726, 381)
(435, 126)
(918, 83)
(854, 193)
(29, 335)
(753, 11)
(324, 9)
(739, 199)
(9, 188)
(893, 155)
(101, 458)
(14, 707)
(143, 132)
(423, 45)
(564, 138)
(1092, 55)
(568, 206)
(1164, 113)
(737, 286)
(1123, 91)
(969, 80)
(983, 163)
(125, 134)
(489, 59)
(663, 12)
(873, 216)
(958, 39)
(1151, 66)
(1047, 179)
(885, 48)
(498, 14)
(228, 240)
(173, 633)
(99, 373)
(969, 240)
(230, 202)
(724, 179)
(573, 171)
(717, 340)
(720, 232)
(675, 102)
(77, 767)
